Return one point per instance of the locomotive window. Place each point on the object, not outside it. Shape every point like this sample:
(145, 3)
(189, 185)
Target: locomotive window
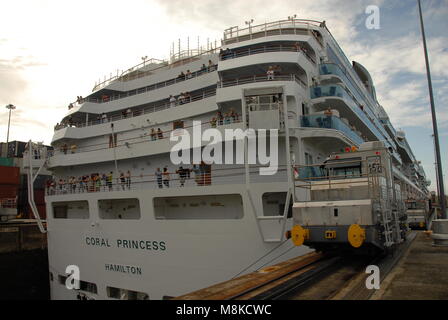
(347, 172)
(345, 168)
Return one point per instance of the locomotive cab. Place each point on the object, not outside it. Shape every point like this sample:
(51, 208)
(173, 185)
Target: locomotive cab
(353, 200)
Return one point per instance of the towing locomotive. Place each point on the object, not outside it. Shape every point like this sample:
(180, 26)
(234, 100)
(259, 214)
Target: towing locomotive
(353, 200)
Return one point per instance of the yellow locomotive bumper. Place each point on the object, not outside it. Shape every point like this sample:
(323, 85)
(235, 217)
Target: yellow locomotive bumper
(356, 235)
(299, 235)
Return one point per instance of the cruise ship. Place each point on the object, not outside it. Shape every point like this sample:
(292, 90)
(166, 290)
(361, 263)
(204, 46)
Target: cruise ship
(138, 226)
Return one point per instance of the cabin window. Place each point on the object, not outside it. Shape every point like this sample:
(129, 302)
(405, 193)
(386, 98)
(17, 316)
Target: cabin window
(274, 204)
(71, 210)
(83, 285)
(207, 207)
(119, 209)
(124, 294)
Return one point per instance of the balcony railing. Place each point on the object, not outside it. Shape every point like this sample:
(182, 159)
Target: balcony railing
(265, 49)
(355, 85)
(148, 136)
(199, 176)
(157, 106)
(338, 91)
(282, 27)
(261, 78)
(152, 87)
(330, 122)
(135, 72)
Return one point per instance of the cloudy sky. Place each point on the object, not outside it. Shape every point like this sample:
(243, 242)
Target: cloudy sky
(54, 50)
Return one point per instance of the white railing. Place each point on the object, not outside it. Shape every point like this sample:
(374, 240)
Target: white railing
(151, 136)
(293, 26)
(122, 76)
(203, 176)
(157, 106)
(261, 78)
(265, 49)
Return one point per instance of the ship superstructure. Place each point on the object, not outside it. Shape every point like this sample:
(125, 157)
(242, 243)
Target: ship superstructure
(140, 227)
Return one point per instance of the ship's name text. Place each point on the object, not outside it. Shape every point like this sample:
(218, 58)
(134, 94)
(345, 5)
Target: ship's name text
(127, 244)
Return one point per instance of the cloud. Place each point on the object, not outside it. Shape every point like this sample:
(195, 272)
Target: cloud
(12, 83)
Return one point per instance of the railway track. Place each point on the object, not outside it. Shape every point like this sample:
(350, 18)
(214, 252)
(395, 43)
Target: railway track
(315, 276)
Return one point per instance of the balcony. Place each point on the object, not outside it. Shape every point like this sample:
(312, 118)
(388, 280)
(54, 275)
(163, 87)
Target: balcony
(354, 84)
(267, 49)
(148, 143)
(261, 78)
(175, 183)
(348, 108)
(136, 112)
(282, 27)
(330, 122)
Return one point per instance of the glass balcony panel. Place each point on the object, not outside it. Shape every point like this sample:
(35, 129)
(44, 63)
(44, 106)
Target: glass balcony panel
(330, 122)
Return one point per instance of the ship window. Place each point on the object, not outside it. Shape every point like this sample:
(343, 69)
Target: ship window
(124, 294)
(207, 207)
(71, 210)
(274, 204)
(83, 285)
(119, 209)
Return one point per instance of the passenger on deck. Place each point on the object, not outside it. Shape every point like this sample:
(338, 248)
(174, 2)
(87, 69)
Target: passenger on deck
(166, 177)
(181, 75)
(220, 118)
(328, 112)
(270, 73)
(188, 74)
(158, 175)
(233, 115)
(104, 181)
(159, 133)
(122, 180)
(227, 119)
(203, 68)
(213, 122)
(153, 134)
(197, 174)
(172, 101)
(187, 96)
(211, 66)
(110, 177)
(128, 179)
(181, 98)
(182, 176)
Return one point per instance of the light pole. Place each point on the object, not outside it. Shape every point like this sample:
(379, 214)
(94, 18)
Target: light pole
(248, 23)
(10, 107)
(293, 19)
(144, 60)
(434, 119)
